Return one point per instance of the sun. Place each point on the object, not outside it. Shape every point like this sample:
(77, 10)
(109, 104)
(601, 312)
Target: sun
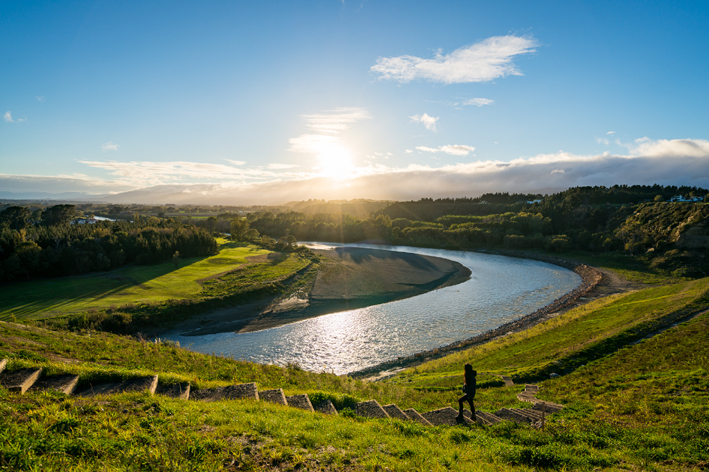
(335, 162)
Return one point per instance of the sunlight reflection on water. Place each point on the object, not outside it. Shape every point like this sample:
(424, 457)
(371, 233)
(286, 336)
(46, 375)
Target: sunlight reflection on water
(501, 289)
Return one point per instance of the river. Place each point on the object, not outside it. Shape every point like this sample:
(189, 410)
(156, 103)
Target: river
(501, 289)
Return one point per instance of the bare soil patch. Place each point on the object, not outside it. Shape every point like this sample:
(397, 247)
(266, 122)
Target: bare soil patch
(349, 278)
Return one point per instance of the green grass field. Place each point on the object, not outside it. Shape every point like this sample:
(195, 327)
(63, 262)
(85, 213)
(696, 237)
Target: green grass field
(134, 284)
(632, 403)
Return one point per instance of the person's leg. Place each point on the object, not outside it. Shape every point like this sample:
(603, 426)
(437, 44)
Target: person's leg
(472, 408)
(460, 405)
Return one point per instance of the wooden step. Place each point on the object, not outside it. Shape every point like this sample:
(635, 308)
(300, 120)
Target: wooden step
(247, 391)
(547, 407)
(180, 391)
(508, 380)
(395, 412)
(512, 415)
(138, 384)
(273, 396)
(63, 383)
(370, 409)
(20, 380)
(300, 401)
(478, 418)
(531, 415)
(445, 416)
(489, 417)
(326, 407)
(531, 388)
(416, 416)
(3, 363)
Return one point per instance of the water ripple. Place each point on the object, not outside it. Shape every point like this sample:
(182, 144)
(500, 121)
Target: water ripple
(501, 289)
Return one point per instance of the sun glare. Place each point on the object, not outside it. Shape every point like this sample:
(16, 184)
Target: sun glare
(335, 162)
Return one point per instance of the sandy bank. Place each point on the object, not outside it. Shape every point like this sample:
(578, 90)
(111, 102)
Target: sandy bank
(348, 278)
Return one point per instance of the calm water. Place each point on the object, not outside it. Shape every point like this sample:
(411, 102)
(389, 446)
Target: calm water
(501, 289)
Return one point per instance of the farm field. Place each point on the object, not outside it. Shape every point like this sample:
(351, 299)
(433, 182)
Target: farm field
(133, 284)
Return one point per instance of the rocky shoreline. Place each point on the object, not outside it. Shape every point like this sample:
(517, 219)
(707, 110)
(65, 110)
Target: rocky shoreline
(590, 278)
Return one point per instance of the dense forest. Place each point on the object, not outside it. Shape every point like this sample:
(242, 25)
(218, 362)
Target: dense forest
(632, 219)
(45, 243)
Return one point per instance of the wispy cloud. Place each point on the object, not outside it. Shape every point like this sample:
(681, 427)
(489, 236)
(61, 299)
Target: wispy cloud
(10, 119)
(110, 146)
(278, 166)
(478, 102)
(452, 149)
(156, 173)
(335, 121)
(480, 62)
(611, 133)
(39, 99)
(666, 162)
(428, 121)
(602, 141)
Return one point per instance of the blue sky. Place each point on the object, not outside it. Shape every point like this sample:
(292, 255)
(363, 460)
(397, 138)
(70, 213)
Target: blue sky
(333, 99)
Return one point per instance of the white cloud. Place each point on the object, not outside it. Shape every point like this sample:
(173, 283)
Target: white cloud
(8, 117)
(408, 151)
(452, 149)
(611, 132)
(39, 99)
(236, 163)
(480, 62)
(478, 102)
(665, 162)
(156, 173)
(335, 121)
(671, 148)
(428, 121)
(602, 141)
(277, 166)
(109, 146)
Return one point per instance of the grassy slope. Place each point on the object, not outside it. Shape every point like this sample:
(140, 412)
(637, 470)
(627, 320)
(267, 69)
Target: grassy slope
(572, 339)
(642, 406)
(134, 284)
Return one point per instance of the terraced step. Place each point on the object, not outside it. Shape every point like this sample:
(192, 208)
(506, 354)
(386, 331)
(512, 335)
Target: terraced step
(445, 416)
(370, 409)
(516, 416)
(508, 380)
(19, 380)
(63, 383)
(532, 415)
(273, 396)
(180, 391)
(416, 416)
(247, 391)
(395, 412)
(488, 417)
(300, 401)
(140, 384)
(326, 407)
(3, 363)
(531, 388)
(547, 407)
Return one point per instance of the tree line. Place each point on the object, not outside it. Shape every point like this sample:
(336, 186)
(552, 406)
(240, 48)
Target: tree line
(48, 245)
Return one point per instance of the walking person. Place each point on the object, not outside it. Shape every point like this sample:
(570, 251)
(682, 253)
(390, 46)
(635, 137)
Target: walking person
(469, 391)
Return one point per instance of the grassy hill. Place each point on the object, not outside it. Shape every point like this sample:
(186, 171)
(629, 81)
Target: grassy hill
(635, 388)
(132, 284)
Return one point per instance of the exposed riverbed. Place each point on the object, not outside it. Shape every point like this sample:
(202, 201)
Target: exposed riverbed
(500, 290)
